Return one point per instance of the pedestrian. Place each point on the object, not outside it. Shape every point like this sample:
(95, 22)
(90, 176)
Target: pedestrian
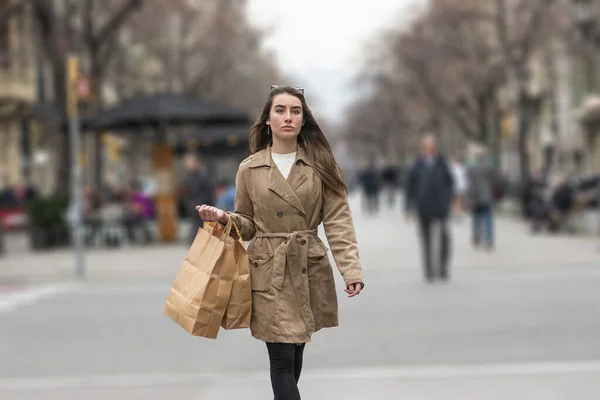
(201, 188)
(429, 194)
(289, 186)
(371, 185)
(389, 177)
(226, 198)
(481, 201)
(461, 185)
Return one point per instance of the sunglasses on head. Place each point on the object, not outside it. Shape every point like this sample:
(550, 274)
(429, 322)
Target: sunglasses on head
(301, 90)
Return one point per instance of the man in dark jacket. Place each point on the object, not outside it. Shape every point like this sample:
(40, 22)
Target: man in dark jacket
(429, 194)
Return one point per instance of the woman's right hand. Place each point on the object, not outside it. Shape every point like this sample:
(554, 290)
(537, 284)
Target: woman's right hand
(210, 213)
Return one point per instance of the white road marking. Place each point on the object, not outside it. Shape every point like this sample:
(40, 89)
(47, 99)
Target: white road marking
(339, 374)
(12, 300)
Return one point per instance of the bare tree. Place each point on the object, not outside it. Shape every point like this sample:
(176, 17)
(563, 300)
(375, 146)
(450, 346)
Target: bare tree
(60, 32)
(455, 57)
(456, 63)
(522, 27)
(8, 9)
(205, 49)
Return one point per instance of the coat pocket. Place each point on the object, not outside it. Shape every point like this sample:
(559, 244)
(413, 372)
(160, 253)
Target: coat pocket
(323, 297)
(261, 271)
(319, 267)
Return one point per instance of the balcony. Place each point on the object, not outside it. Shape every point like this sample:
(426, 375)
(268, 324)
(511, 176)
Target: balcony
(16, 85)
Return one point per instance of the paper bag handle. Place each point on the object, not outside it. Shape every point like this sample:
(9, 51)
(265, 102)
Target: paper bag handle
(209, 227)
(227, 230)
(235, 226)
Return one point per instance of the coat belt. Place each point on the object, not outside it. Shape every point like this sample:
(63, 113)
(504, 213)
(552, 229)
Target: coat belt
(287, 253)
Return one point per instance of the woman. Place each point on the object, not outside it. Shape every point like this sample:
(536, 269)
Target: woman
(288, 186)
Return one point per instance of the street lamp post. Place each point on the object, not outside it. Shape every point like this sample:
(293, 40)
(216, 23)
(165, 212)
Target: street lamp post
(74, 134)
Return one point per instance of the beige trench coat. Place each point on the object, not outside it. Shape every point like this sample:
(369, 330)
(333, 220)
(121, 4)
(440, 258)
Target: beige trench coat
(293, 291)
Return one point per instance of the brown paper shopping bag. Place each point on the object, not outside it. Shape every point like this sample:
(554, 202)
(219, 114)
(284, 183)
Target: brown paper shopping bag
(201, 290)
(239, 309)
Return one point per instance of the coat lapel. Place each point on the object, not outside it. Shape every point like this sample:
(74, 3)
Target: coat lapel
(286, 190)
(297, 177)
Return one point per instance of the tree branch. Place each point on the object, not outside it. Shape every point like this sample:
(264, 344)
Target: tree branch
(534, 27)
(518, 51)
(46, 21)
(116, 21)
(88, 23)
(420, 69)
(8, 11)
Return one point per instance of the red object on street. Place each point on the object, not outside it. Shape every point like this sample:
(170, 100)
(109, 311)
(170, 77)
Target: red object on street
(13, 219)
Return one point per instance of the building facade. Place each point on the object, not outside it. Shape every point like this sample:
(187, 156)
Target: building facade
(17, 91)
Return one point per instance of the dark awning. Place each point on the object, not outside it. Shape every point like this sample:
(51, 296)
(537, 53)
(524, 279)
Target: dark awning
(165, 109)
(212, 136)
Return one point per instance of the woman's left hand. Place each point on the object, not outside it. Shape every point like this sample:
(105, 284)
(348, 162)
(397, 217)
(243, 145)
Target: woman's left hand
(353, 289)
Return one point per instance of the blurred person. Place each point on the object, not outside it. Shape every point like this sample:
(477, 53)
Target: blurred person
(13, 207)
(481, 202)
(461, 185)
(90, 203)
(370, 183)
(536, 196)
(429, 192)
(289, 186)
(140, 212)
(200, 190)
(17, 195)
(225, 200)
(389, 177)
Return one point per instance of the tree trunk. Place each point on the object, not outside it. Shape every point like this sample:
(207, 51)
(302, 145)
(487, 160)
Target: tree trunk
(497, 142)
(525, 116)
(523, 125)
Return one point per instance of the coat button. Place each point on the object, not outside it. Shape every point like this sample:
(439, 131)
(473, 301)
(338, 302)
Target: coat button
(303, 242)
(255, 264)
(267, 167)
(279, 214)
(300, 213)
(304, 270)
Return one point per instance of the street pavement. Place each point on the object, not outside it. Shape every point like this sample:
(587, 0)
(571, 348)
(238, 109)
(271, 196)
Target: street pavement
(521, 322)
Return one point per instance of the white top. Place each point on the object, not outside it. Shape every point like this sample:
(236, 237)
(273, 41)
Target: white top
(284, 162)
(461, 182)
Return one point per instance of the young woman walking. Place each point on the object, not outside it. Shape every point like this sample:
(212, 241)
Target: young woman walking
(289, 186)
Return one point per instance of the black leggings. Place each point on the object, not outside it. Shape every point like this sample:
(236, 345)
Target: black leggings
(286, 365)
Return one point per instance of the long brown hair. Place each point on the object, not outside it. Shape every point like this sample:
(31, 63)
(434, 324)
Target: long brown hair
(311, 138)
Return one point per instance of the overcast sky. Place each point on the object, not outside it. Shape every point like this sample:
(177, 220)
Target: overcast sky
(321, 43)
